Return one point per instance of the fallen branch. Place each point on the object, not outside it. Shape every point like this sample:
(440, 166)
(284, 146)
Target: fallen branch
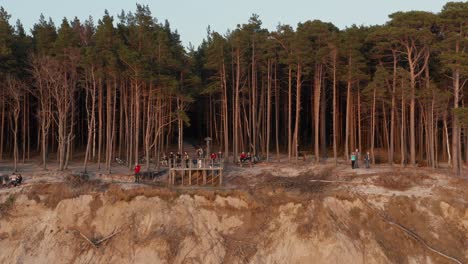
(87, 239)
(96, 244)
(107, 238)
(348, 182)
(407, 231)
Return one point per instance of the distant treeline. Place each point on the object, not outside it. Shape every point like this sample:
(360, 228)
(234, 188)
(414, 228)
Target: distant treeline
(126, 87)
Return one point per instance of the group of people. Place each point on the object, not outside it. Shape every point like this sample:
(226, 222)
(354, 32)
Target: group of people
(245, 157)
(177, 160)
(355, 156)
(13, 180)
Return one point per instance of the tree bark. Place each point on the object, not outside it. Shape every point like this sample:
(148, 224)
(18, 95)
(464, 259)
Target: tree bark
(455, 127)
(348, 111)
(335, 131)
(317, 97)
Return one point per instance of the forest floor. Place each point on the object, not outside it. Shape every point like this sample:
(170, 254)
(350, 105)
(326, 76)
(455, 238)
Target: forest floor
(269, 213)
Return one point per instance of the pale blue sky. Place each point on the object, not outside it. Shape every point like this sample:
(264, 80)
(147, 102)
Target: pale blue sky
(191, 17)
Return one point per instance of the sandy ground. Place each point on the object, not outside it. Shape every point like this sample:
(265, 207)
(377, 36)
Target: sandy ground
(273, 212)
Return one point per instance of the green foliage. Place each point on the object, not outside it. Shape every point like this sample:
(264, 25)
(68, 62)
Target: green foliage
(379, 83)
(462, 114)
(453, 36)
(352, 40)
(6, 42)
(182, 115)
(44, 35)
(311, 43)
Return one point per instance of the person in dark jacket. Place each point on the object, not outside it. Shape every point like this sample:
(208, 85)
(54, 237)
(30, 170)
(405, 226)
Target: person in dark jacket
(179, 159)
(358, 156)
(187, 159)
(367, 159)
(171, 159)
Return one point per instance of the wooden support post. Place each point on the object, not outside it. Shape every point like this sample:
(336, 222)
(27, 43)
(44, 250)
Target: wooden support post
(190, 177)
(221, 177)
(212, 177)
(169, 177)
(204, 177)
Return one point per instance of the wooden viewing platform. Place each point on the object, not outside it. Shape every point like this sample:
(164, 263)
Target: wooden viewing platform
(204, 172)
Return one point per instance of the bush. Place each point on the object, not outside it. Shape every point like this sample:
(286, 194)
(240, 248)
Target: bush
(7, 205)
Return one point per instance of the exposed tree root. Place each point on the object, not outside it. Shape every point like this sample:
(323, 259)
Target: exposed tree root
(97, 243)
(407, 231)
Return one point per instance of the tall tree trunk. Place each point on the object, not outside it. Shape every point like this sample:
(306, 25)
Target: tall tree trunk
(100, 121)
(412, 120)
(235, 125)
(180, 128)
(455, 126)
(385, 125)
(316, 101)
(335, 131)
(15, 117)
(90, 118)
(137, 119)
(348, 111)
(111, 151)
(225, 113)
(373, 126)
(403, 125)
(413, 66)
(392, 109)
(298, 110)
(2, 124)
(108, 123)
(23, 130)
(254, 102)
(359, 119)
(277, 109)
(268, 111)
(289, 111)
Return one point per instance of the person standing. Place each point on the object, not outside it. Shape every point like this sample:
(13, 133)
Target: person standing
(171, 160)
(187, 159)
(249, 157)
(357, 159)
(202, 155)
(179, 159)
(353, 160)
(137, 172)
(164, 160)
(213, 159)
(367, 159)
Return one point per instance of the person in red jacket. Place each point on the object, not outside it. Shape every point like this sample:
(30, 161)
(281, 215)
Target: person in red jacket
(213, 156)
(243, 157)
(137, 172)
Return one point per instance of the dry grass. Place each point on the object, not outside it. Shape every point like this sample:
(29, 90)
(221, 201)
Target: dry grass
(6, 206)
(400, 181)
